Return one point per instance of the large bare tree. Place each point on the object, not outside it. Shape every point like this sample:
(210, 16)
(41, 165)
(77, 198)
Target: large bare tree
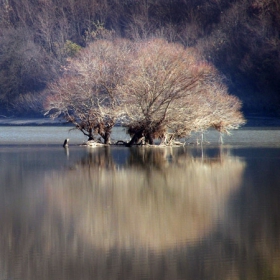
(86, 95)
(158, 90)
(171, 92)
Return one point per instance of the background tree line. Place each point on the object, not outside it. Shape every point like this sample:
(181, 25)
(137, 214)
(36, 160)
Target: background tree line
(240, 37)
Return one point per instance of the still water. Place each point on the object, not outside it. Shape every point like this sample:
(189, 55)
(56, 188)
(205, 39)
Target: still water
(193, 212)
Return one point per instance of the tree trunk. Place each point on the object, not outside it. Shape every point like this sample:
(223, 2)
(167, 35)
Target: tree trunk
(106, 138)
(135, 138)
(90, 135)
(150, 139)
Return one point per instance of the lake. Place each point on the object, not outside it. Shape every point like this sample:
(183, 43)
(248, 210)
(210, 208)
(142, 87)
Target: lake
(197, 212)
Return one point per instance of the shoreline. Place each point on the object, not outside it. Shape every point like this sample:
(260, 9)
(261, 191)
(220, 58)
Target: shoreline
(31, 122)
(252, 121)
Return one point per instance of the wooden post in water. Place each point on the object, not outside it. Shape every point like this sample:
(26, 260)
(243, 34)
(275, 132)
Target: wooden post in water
(65, 144)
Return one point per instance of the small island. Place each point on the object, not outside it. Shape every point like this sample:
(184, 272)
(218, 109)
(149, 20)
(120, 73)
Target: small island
(155, 89)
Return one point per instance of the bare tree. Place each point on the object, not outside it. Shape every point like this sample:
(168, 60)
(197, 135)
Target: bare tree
(86, 95)
(158, 90)
(171, 92)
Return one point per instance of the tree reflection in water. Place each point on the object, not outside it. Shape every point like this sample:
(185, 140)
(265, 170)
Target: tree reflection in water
(166, 213)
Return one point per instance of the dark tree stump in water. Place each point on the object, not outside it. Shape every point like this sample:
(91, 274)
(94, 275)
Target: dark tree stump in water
(66, 142)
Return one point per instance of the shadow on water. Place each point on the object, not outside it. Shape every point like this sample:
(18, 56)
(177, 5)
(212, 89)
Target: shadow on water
(143, 213)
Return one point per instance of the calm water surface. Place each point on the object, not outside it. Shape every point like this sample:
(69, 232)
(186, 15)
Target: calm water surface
(192, 212)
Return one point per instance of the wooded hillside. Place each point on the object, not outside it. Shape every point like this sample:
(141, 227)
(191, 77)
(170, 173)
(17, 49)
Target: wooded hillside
(240, 37)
